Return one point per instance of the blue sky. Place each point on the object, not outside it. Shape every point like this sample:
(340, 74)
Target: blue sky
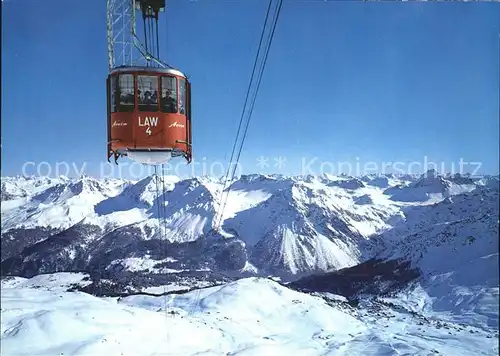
(353, 82)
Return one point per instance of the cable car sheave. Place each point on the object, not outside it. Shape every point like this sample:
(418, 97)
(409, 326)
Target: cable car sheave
(149, 106)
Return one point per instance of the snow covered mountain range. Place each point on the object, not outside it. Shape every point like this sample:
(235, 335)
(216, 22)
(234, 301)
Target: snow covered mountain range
(271, 225)
(399, 264)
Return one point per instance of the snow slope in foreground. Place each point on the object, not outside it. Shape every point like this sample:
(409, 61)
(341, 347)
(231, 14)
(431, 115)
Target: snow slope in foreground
(249, 317)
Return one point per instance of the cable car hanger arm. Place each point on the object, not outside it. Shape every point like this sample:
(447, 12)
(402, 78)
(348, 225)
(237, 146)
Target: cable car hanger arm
(140, 47)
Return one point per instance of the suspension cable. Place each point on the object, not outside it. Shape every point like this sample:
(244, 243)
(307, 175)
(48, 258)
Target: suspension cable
(145, 35)
(271, 37)
(151, 35)
(161, 203)
(262, 67)
(160, 187)
(157, 40)
(248, 92)
(150, 49)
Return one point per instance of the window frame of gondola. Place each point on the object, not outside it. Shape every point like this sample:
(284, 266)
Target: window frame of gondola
(124, 106)
(164, 107)
(153, 107)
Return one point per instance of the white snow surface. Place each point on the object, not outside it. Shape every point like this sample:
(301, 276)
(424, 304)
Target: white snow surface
(252, 316)
(446, 226)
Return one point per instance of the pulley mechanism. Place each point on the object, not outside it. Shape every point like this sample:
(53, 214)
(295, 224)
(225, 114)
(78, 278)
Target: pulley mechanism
(150, 8)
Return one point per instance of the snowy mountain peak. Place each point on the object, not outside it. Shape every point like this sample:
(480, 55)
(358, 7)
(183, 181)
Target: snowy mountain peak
(275, 224)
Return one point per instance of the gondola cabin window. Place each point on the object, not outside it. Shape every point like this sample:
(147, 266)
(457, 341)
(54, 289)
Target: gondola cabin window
(126, 92)
(112, 92)
(182, 96)
(168, 94)
(147, 92)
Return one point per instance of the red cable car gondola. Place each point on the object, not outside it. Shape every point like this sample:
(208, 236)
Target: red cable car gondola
(149, 114)
(149, 108)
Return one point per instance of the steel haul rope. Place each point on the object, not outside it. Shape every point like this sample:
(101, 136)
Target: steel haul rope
(261, 72)
(194, 303)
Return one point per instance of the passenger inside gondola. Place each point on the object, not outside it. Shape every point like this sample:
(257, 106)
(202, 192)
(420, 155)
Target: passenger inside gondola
(147, 94)
(168, 102)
